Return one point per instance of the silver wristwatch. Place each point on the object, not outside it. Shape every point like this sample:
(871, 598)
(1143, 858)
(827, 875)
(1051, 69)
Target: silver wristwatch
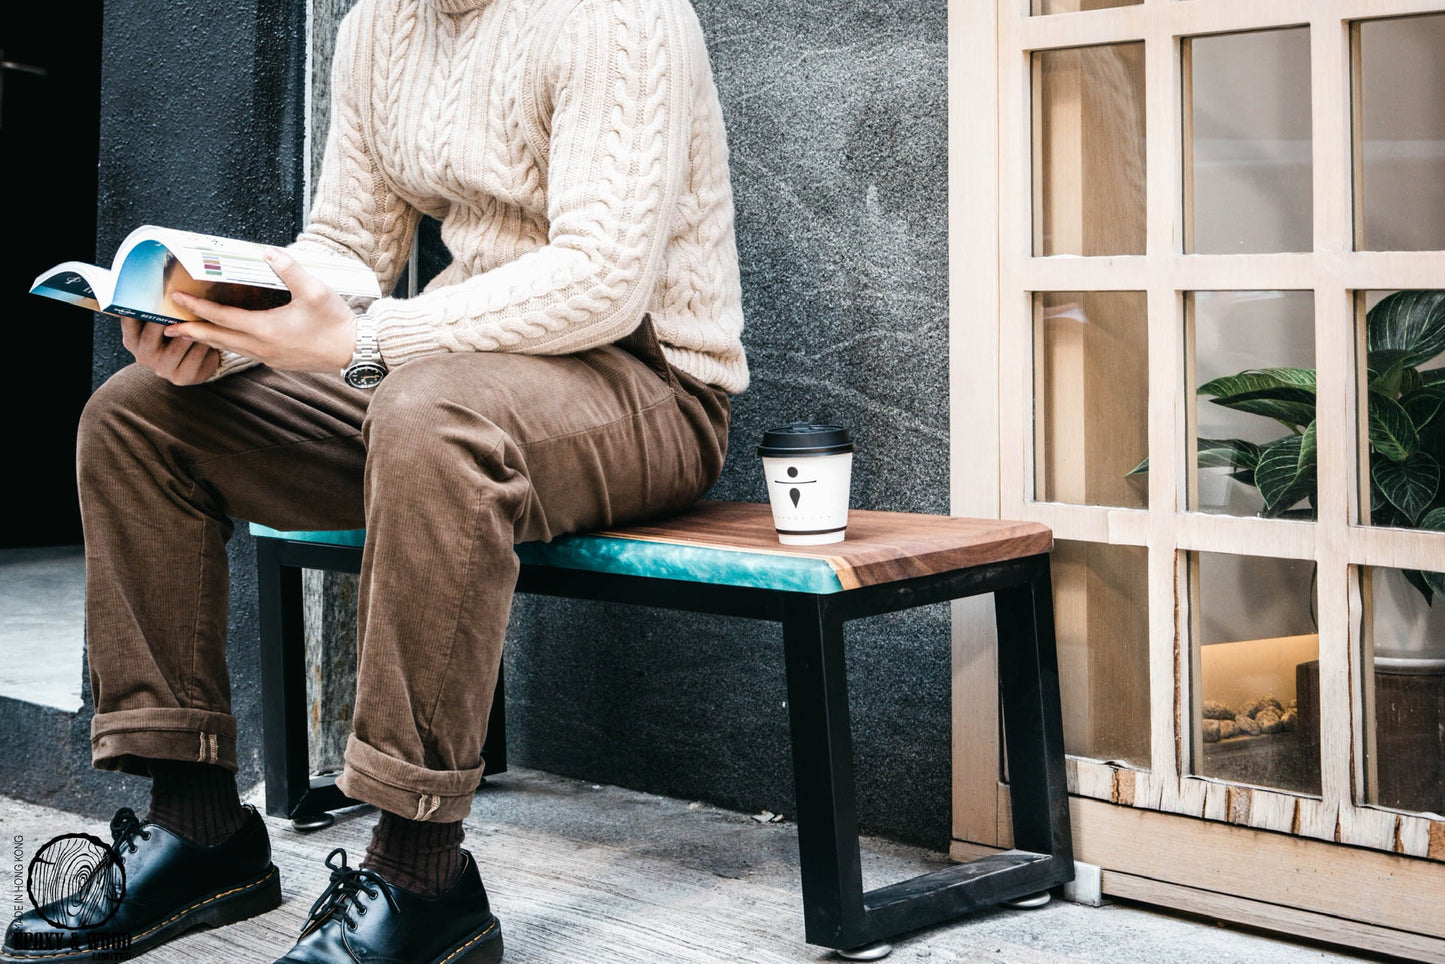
(366, 369)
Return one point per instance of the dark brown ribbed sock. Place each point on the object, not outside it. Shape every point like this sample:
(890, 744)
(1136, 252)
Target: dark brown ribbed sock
(199, 801)
(424, 858)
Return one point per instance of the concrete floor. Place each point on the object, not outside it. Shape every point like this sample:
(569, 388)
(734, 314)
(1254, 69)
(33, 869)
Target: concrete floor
(585, 873)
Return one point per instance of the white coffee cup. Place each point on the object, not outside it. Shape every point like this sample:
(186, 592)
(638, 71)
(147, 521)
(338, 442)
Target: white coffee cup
(808, 469)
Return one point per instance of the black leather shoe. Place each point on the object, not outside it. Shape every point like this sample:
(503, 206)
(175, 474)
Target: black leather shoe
(153, 886)
(362, 918)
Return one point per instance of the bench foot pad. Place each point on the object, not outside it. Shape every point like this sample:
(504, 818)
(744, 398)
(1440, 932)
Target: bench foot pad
(1030, 902)
(868, 952)
(310, 824)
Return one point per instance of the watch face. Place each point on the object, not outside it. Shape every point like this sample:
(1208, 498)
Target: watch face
(365, 375)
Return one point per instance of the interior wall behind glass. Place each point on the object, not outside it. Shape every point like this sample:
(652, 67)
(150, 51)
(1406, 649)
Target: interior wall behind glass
(1402, 122)
(1251, 154)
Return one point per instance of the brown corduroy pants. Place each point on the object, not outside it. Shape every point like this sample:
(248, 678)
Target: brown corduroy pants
(452, 460)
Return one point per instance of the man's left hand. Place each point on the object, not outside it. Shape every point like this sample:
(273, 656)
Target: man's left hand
(314, 332)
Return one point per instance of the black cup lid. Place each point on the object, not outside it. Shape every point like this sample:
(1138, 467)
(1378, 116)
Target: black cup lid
(804, 438)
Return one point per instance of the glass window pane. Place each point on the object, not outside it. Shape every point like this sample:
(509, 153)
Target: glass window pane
(1254, 368)
(1401, 105)
(1258, 641)
(1091, 388)
(1404, 401)
(1408, 645)
(1250, 153)
(1041, 7)
(1101, 618)
(1089, 150)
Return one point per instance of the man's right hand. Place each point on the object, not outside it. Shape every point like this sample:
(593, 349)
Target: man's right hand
(180, 361)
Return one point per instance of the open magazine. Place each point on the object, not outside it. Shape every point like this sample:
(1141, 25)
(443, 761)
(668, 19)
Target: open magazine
(152, 262)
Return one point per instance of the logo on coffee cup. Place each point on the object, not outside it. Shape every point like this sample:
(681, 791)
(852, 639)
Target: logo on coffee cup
(792, 481)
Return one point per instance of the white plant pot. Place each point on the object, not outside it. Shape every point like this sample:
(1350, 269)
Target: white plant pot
(1409, 635)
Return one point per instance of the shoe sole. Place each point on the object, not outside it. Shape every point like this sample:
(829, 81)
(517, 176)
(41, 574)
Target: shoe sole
(223, 907)
(482, 947)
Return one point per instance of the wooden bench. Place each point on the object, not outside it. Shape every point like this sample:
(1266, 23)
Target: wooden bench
(724, 558)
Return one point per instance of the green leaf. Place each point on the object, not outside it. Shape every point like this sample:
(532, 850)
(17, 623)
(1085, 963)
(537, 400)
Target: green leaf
(1292, 406)
(1256, 379)
(1434, 520)
(1141, 469)
(1423, 405)
(1387, 366)
(1412, 321)
(1392, 434)
(1230, 453)
(1432, 376)
(1409, 485)
(1285, 473)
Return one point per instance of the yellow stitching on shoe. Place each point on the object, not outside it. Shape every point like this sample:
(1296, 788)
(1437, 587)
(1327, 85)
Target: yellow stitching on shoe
(146, 933)
(469, 943)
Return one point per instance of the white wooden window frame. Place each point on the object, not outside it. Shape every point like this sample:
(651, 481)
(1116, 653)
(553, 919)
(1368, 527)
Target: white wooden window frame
(994, 277)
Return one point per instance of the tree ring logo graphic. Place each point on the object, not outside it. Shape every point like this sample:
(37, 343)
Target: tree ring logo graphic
(76, 881)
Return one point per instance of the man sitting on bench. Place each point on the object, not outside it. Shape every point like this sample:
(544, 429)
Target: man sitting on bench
(570, 369)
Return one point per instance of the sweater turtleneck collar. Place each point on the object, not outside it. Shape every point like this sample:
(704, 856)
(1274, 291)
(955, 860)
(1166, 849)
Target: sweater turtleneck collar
(455, 7)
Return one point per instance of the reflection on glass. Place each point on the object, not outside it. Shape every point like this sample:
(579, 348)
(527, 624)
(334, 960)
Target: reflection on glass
(1042, 7)
(1407, 639)
(1258, 646)
(1254, 367)
(1089, 150)
(1101, 618)
(1401, 106)
(1091, 404)
(1404, 399)
(1250, 153)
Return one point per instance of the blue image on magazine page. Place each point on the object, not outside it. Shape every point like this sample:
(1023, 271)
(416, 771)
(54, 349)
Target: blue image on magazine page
(144, 283)
(70, 286)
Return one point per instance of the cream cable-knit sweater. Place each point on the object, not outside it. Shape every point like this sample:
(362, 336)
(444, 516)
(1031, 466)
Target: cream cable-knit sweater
(574, 153)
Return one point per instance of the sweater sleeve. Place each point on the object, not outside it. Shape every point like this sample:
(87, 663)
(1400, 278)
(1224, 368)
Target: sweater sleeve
(355, 211)
(619, 91)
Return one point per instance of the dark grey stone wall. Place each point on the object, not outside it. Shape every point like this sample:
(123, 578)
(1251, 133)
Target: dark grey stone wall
(201, 128)
(837, 121)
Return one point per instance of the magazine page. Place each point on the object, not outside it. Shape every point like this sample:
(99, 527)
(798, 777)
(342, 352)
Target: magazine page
(151, 272)
(216, 260)
(77, 283)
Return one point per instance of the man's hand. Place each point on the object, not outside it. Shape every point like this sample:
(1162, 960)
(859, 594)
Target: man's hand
(179, 361)
(314, 332)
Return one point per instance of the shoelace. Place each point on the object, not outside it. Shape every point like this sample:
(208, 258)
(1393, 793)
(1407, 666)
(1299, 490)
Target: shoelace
(343, 894)
(125, 826)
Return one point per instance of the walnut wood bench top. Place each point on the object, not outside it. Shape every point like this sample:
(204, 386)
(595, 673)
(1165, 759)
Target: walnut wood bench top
(733, 543)
(880, 547)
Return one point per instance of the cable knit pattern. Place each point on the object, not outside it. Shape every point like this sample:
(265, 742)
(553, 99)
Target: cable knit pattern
(575, 155)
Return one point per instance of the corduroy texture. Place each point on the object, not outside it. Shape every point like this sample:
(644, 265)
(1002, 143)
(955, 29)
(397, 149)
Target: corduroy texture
(199, 801)
(424, 858)
(574, 152)
(448, 464)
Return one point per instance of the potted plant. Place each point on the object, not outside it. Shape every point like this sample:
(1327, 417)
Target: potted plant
(1406, 404)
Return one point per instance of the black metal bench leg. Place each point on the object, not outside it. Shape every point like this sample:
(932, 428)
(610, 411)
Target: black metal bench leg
(283, 681)
(832, 874)
(291, 790)
(1033, 720)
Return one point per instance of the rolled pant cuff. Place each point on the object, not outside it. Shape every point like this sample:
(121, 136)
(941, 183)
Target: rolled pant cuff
(124, 739)
(405, 789)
